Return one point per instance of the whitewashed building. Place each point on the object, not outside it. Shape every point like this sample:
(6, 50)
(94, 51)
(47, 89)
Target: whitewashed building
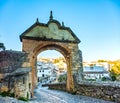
(95, 72)
(46, 72)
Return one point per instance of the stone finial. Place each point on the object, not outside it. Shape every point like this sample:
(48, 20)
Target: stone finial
(51, 16)
(37, 21)
(63, 24)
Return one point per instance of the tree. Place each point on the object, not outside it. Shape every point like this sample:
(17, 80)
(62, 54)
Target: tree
(115, 70)
(103, 79)
(2, 47)
(113, 77)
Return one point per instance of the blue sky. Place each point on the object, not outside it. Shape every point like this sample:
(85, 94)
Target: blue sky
(95, 22)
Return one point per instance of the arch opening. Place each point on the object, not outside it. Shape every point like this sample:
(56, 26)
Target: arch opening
(51, 67)
(53, 47)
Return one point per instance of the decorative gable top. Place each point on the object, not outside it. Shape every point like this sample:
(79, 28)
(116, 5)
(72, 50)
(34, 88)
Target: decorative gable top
(52, 31)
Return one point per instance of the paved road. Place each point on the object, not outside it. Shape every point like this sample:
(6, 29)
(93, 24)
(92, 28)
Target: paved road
(44, 95)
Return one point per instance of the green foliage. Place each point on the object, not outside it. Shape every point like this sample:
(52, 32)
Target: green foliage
(12, 94)
(74, 92)
(103, 79)
(3, 94)
(27, 95)
(62, 78)
(113, 77)
(23, 99)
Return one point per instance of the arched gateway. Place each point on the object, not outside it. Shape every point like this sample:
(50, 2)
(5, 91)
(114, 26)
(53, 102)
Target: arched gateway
(52, 36)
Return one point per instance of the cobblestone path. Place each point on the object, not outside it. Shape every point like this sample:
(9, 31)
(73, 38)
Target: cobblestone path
(44, 95)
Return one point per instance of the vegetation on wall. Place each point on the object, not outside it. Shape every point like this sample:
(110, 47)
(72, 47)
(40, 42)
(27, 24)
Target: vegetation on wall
(23, 98)
(7, 93)
(62, 78)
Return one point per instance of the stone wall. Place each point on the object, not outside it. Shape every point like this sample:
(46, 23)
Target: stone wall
(11, 60)
(58, 86)
(103, 90)
(12, 74)
(21, 88)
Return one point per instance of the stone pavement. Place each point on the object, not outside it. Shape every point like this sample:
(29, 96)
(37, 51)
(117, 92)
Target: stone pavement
(44, 95)
(9, 100)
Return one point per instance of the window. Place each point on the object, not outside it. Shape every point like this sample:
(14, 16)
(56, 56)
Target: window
(91, 67)
(29, 86)
(23, 80)
(42, 75)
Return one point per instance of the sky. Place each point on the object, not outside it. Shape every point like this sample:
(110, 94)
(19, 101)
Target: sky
(95, 22)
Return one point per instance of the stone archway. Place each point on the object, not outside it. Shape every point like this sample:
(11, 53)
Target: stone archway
(53, 35)
(63, 50)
